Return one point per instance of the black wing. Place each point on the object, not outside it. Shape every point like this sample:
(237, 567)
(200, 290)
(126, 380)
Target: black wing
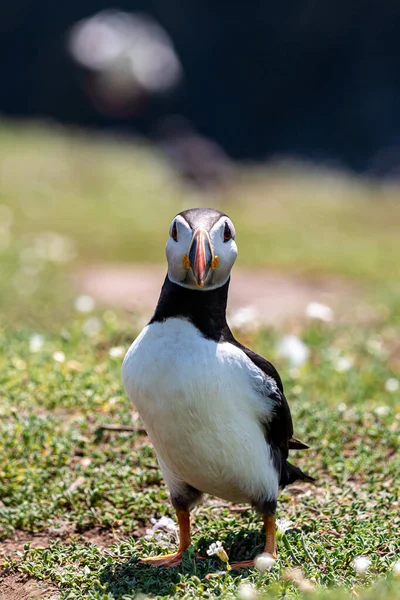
(279, 430)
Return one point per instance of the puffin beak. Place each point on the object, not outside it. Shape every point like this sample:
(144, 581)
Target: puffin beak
(200, 256)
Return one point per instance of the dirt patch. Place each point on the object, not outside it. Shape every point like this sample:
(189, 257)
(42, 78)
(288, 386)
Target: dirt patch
(273, 296)
(99, 537)
(18, 541)
(18, 587)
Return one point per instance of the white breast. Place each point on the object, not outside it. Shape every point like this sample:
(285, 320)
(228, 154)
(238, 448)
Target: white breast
(199, 402)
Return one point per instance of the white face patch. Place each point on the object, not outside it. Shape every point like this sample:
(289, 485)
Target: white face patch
(225, 250)
(223, 247)
(176, 250)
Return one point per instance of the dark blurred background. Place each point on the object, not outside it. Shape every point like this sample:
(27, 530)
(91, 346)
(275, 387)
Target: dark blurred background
(310, 79)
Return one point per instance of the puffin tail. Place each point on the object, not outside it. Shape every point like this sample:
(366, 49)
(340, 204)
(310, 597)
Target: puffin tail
(295, 444)
(295, 474)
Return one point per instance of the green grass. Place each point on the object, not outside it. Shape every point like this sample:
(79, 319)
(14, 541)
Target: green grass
(51, 414)
(69, 199)
(112, 197)
(97, 194)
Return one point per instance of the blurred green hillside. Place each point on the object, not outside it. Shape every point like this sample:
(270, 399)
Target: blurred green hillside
(69, 197)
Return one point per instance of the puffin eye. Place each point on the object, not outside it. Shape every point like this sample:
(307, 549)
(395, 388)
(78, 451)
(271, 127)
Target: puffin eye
(227, 232)
(174, 232)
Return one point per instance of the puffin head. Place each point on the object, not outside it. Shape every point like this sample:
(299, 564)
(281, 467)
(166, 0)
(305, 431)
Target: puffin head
(201, 249)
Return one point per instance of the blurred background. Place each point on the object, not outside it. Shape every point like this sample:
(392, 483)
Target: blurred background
(312, 80)
(114, 118)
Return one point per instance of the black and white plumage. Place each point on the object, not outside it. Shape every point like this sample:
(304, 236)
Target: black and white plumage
(214, 410)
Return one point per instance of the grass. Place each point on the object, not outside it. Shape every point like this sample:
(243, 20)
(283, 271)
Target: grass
(51, 438)
(87, 495)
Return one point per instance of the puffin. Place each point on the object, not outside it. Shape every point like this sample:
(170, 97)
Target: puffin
(214, 410)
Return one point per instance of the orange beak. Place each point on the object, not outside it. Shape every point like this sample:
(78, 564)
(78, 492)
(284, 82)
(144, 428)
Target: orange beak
(200, 256)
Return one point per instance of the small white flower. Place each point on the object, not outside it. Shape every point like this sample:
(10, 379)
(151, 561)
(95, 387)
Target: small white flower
(117, 352)
(84, 304)
(382, 411)
(283, 525)
(293, 349)
(342, 407)
(218, 549)
(392, 384)
(321, 312)
(59, 356)
(396, 568)
(214, 548)
(91, 326)
(361, 565)
(264, 562)
(159, 529)
(36, 342)
(244, 318)
(344, 363)
(164, 523)
(247, 591)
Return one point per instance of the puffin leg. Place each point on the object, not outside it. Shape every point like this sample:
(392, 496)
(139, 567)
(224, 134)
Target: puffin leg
(175, 559)
(270, 543)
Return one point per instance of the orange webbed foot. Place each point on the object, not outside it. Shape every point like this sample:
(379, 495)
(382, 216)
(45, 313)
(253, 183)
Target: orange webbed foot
(166, 560)
(243, 564)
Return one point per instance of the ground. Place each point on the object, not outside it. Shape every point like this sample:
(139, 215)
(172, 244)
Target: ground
(79, 504)
(272, 296)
